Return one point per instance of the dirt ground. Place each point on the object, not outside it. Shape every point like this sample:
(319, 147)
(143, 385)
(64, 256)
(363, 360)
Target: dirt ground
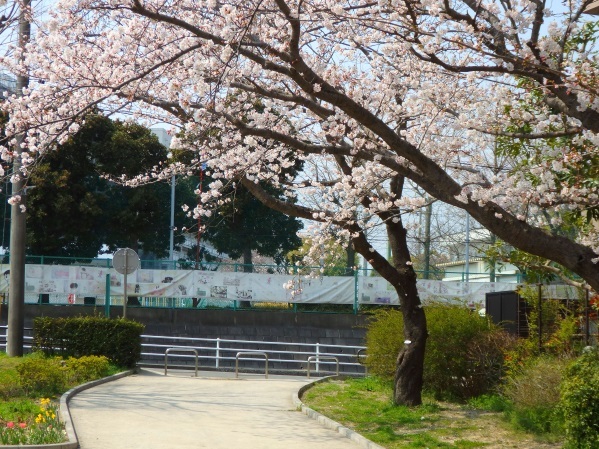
(485, 427)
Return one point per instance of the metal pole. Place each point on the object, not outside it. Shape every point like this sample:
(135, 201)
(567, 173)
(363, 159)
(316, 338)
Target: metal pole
(171, 247)
(427, 240)
(467, 255)
(107, 298)
(356, 304)
(540, 317)
(16, 296)
(125, 286)
(317, 357)
(586, 317)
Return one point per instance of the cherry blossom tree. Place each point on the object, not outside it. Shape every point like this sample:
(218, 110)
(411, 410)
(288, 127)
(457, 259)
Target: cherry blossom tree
(365, 94)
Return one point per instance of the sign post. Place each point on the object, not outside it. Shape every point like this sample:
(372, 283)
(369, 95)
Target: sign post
(125, 261)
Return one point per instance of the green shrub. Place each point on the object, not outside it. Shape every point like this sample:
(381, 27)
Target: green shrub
(464, 352)
(41, 376)
(579, 404)
(86, 368)
(9, 377)
(384, 340)
(119, 340)
(534, 394)
(560, 329)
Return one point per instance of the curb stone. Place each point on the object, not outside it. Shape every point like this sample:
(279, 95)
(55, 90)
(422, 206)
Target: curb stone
(327, 422)
(65, 415)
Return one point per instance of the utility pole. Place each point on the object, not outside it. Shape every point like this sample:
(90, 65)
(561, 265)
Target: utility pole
(427, 240)
(16, 292)
(467, 255)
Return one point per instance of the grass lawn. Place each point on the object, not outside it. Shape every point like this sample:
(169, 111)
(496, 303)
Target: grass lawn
(365, 405)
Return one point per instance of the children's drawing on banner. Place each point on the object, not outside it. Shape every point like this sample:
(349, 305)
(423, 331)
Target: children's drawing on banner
(73, 286)
(244, 295)
(218, 292)
(50, 286)
(33, 271)
(60, 272)
(85, 274)
(382, 298)
(233, 281)
(5, 281)
(145, 276)
(32, 285)
(202, 278)
(368, 284)
(115, 280)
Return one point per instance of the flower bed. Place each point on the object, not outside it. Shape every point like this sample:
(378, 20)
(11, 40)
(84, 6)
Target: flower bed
(45, 428)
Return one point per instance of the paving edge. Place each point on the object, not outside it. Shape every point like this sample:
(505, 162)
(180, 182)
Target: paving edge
(328, 422)
(65, 415)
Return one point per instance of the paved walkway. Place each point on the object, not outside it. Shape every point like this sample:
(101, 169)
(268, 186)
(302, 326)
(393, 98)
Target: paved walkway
(152, 411)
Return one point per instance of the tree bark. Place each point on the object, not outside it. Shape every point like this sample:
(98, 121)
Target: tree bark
(409, 368)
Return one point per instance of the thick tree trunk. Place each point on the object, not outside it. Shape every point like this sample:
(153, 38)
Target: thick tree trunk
(410, 361)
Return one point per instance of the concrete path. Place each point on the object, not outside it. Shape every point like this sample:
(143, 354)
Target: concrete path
(152, 411)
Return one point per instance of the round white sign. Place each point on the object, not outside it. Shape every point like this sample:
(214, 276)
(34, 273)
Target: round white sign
(125, 261)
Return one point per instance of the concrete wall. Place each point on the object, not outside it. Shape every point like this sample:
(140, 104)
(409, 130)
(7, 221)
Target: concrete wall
(335, 328)
(266, 326)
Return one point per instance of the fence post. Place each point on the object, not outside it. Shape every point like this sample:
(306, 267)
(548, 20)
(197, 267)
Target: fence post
(586, 317)
(317, 357)
(107, 298)
(217, 352)
(355, 291)
(540, 317)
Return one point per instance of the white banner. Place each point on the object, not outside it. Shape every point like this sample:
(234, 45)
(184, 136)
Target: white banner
(78, 281)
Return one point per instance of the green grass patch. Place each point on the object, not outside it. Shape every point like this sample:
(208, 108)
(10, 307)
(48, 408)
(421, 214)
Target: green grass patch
(366, 406)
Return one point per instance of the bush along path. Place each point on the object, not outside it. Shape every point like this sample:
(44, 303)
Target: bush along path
(29, 390)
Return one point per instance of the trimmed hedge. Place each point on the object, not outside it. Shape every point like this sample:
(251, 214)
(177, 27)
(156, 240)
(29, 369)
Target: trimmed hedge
(119, 340)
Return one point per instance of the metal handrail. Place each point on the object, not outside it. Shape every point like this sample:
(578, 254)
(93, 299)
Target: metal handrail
(318, 358)
(264, 354)
(166, 353)
(360, 358)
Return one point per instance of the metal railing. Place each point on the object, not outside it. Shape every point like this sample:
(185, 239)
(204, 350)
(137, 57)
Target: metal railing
(27, 338)
(244, 354)
(221, 354)
(317, 360)
(224, 354)
(169, 350)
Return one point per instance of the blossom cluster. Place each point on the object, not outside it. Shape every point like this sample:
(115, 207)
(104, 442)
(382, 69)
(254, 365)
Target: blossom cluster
(336, 103)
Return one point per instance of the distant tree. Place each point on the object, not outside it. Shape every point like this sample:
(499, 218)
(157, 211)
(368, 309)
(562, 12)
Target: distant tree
(244, 224)
(332, 258)
(74, 209)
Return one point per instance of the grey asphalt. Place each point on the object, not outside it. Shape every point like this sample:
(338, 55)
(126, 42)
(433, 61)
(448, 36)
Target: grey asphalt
(214, 410)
